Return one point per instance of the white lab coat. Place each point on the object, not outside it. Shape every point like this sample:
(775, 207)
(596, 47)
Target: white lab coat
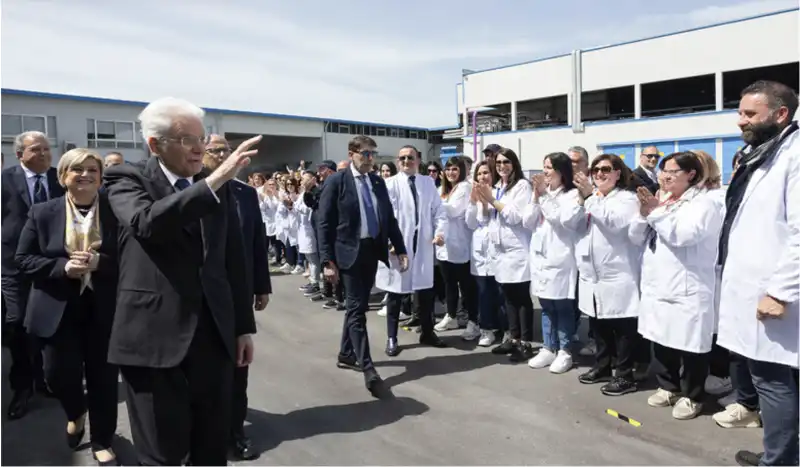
(676, 308)
(556, 221)
(609, 263)
(482, 249)
(456, 248)
(764, 259)
(510, 239)
(306, 237)
(432, 221)
(287, 221)
(269, 206)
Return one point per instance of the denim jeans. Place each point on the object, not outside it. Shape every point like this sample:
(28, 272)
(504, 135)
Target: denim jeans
(778, 399)
(558, 323)
(491, 313)
(314, 268)
(743, 389)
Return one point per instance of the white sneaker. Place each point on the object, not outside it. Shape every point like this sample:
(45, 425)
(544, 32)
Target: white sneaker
(562, 363)
(446, 324)
(542, 359)
(298, 270)
(737, 416)
(662, 398)
(487, 338)
(686, 409)
(286, 268)
(383, 311)
(404, 316)
(472, 332)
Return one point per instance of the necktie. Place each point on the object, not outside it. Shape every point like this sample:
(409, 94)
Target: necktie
(181, 184)
(414, 193)
(366, 193)
(39, 193)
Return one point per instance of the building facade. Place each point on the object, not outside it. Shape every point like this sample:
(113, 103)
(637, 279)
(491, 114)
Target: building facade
(678, 91)
(111, 125)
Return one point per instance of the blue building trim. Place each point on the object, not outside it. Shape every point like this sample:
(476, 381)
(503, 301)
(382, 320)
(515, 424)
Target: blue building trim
(103, 100)
(661, 117)
(671, 140)
(682, 31)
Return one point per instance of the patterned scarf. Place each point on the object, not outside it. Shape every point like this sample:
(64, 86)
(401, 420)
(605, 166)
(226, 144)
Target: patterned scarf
(82, 233)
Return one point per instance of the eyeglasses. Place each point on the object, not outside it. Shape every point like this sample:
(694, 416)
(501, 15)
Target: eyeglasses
(604, 169)
(502, 162)
(368, 154)
(433, 171)
(219, 151)
(652, 156)
(189, 142)
(672, 172)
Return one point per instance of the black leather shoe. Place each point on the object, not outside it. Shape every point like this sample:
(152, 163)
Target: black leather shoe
(521, 353)
(74, 439)
(619, 387)
(18, 406)
(412, 323)
(504, 348)
(432, 340)
(748, 458)
(243, 449)
(375, 385)
(392, 349)
(348, 363)
(595, 375)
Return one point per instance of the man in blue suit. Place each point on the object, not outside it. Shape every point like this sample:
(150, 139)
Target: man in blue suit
(257, 278)
(355, 225)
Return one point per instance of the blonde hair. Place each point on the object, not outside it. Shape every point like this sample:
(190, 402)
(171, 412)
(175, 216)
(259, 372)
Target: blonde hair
(75, 157)
(712, 178)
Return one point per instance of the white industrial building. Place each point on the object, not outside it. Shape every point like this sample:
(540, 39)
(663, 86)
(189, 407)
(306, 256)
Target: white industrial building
(111, 125)
(678, 91)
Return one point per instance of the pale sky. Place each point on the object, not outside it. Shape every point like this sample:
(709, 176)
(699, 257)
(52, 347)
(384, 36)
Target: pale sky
(379, 61)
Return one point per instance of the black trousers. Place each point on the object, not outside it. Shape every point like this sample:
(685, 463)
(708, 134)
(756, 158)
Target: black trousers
(691, 382)
(617, 339)
(182, 414)
(239, 401)
(79, 349)
(424, 303)
(438, 281)
(358, 281)
(719, 360)
(26, 351)
(519, 310)
(458, 281)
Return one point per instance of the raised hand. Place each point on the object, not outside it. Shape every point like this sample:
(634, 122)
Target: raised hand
(647, 202)
(231, 166)
(583, 184)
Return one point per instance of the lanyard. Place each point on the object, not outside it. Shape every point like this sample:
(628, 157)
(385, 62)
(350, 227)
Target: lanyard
(498, 195)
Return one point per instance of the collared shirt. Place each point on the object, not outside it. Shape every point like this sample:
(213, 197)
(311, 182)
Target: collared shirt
(359, 188)
(174, 178)
(30, 179)
(650, 173)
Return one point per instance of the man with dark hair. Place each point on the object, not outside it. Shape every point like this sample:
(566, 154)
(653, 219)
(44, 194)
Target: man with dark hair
(355, 224)
(759, 260)
(311, 194)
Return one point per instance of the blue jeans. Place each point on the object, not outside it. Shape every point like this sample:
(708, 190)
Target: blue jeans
(778, 398)
(558, 323)
(491, 312)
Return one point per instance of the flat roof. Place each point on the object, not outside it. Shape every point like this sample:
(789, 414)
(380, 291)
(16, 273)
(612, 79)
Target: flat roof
(601, 47)
(103, 100)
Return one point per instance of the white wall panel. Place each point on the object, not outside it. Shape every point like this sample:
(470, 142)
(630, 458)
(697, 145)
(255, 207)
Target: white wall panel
(255, 124)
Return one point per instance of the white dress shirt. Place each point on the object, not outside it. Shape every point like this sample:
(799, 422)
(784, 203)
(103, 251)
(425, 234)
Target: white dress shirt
(30, 179)
(174, 178)
(361, 207)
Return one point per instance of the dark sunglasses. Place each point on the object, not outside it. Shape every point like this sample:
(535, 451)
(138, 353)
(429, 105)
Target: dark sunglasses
(406, 158)
(502, 162)
(604, 169)
(652, 156)
(433, 171)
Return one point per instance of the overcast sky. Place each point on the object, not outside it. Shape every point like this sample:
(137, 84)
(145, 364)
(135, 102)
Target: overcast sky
(381, 61)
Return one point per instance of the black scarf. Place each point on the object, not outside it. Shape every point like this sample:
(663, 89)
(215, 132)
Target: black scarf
(752, 159)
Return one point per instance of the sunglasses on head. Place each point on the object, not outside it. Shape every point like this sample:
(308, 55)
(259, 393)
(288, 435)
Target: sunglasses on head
(604, 169)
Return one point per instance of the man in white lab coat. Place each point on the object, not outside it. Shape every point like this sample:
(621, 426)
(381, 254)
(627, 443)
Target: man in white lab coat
(759, 258)
(418, 210)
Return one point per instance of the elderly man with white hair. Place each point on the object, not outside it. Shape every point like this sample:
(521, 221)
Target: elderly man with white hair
(184, 315)
(31, 182)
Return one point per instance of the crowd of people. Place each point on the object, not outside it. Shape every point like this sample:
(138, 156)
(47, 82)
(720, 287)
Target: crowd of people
(154, 270)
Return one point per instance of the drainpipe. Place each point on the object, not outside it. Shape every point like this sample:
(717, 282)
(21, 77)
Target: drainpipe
(577, 88)
(474, 136)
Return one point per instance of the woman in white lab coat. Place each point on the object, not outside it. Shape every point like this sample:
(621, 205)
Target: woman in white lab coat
(268, 203)
(609, 267)
(491, 316)
(511, 242)
(307, 237)
(454, 255)
(680, 231)
(556, 220)
(289, 222)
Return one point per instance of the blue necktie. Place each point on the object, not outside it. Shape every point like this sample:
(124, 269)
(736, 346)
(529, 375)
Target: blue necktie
(181, 184)
(372, 220)
(39, 193)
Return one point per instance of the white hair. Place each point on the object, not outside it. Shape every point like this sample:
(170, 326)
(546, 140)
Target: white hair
(157, 118)
(19, 141)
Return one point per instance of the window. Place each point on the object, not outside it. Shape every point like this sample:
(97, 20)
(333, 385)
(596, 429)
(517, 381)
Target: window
(381, 131)
(344, 128)
(16, 124)
(113, 135)
(413, 134)
(393, 132)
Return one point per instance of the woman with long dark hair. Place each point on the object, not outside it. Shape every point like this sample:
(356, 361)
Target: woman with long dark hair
(454, 255)
(609, 265)
(289, 225)
(434, 170)
(506, 202)
(388, 169)
(556, 219)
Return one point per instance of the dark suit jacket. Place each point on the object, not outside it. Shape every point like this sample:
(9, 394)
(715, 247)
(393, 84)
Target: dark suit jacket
(642, 179)
(339, 221)
(41, 255)
(180, 255)
(16, 204)
(254, 236)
